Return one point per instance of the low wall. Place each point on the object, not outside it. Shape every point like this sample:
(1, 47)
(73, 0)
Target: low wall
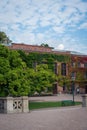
(14, 104)
(84, 100)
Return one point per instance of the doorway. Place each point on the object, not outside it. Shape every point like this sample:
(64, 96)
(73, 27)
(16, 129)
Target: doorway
(86, 89)
(55, 90)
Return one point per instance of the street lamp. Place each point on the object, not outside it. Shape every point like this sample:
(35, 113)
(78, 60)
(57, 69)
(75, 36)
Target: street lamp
(73, 88)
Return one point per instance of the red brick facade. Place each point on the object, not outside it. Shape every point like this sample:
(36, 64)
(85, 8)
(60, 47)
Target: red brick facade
(35, 48)
(30, 48)
(77, 64)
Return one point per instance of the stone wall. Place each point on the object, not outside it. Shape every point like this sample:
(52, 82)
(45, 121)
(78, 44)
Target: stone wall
(84, 100)
(14, 104)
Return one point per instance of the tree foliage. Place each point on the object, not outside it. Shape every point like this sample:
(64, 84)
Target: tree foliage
(18, 82)
(45, 45)
(42, 79)
(17, 79)
(13, 77)
(4, 39)
(40, 58)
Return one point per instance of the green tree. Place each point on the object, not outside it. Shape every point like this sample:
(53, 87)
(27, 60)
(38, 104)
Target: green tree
(80, 77)
(42, 79)
(45, 45)
(13, 74)
(18, 83)
(4, 39)
(4, 68)
(64, 82)
(15, 60)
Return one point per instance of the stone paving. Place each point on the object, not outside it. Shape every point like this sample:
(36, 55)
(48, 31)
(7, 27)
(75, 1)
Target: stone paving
(66, 118)
(58, 97)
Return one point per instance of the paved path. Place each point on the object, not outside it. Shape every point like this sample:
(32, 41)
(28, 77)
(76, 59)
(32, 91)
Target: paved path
(72, 118)
(59, 97)
(68, 118)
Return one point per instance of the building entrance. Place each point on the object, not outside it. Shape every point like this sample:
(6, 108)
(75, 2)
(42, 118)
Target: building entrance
(86, 89)
(55, 91)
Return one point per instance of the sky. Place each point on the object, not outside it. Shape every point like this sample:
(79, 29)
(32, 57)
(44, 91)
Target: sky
(61, 24)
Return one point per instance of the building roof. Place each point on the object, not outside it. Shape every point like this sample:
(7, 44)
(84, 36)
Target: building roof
(42, 49)
(77, 53)
(29, 48)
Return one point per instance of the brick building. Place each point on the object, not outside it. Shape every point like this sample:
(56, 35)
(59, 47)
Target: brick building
(30, 48)
(76, 69)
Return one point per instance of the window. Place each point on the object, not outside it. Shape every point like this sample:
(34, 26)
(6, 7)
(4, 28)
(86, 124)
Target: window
(82, 65)
(63, 69)
(85, 65)
(73, 64)
(79, 64)
(73, 74)
(85, 75)
(56, 68)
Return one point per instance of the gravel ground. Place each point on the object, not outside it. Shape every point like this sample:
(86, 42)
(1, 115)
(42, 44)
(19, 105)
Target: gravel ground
(66, 118)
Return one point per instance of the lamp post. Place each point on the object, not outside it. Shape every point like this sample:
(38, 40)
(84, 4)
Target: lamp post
(73, 88)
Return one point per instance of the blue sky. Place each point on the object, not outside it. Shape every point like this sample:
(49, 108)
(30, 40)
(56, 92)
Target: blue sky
(60, 23)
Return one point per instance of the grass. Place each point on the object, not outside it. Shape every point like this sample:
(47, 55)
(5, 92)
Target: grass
(39, 105)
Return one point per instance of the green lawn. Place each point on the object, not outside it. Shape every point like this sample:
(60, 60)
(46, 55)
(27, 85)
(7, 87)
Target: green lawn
(38, 105)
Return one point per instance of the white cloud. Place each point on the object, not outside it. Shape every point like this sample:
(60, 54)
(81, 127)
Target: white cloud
(83, 26)
(47, 11)
(45, 23)
(37, 21)
(59, 29)
(15, 27)
(40, 37)
(73, 44)
(60, 47)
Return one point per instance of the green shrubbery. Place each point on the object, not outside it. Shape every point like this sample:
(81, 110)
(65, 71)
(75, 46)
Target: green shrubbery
(17, 79)
(12, 73)
(24, 74)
